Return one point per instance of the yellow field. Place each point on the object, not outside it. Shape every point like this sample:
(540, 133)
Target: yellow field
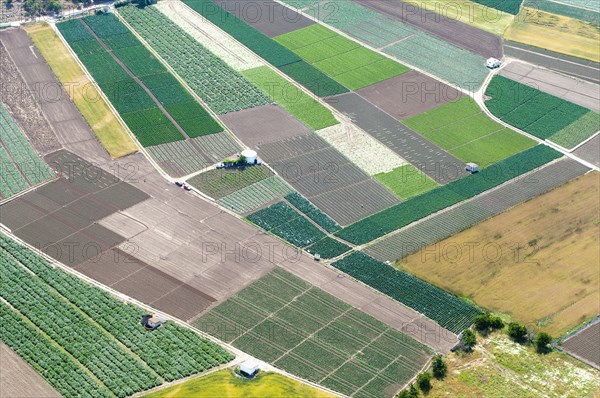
(470, 13)
(499, 368)
(94, 109)
(556, 33)
(537, 263)
(225, 384)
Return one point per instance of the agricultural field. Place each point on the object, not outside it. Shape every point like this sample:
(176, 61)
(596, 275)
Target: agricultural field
(557, 33)
(227, 384)
(316, 337)
(406, 181)
(220, 87)
(282, 220)
(156, 107)
(300, 203)
(543, 248)
(466, 132)
(253, 196)
(404, 42)
(283, 92)
(269, 50)
(447, 310)
(66, 319)
(365, 151)
(215, 40)
(219, 183)
(21, 166)
(97, 113)
(587, 11)
(508, 6)
(344, 60)
(439, 198)
(499, 367)
(584, 344)
(540, 114)
(328, 248)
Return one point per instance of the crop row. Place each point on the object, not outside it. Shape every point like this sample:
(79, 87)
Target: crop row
(300, 203)
(139, 110)
(222, 88)
(421, 206)
(271, 51)
(172, 351)
(92, 347)
(447, 310)
(328, 248)
(536, 112)
(256, 195)
(57, 368)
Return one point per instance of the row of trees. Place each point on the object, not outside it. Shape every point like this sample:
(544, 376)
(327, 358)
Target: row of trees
(484, 324)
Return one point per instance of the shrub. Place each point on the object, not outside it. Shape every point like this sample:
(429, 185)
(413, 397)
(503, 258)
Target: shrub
(542, 343)
(439, 367)
(518, 333)
(484, 323)
(424, 382)
(468, 340)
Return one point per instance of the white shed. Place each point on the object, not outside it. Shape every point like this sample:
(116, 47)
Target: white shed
(250, 156)
(249, 368)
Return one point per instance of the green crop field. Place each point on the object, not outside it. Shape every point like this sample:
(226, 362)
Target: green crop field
(103, 336)
(267, 48)
(465, 131)
(345, 61)
(142, 115)
(540, 114)
(282, 220)
(508, 6)
(300, 203)
(328, 248)
(316, 337)
(406, 181)
(304, 107)
(447, 310)
(439, 198)
(219, 183)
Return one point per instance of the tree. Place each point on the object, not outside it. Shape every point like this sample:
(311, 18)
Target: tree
(410, 392)
(485, 323)
(424, 382)
(518, 333)
(542, 343)
(439, 367)
(468, 340)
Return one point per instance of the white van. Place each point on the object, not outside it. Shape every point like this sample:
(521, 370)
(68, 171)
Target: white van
(493, 63)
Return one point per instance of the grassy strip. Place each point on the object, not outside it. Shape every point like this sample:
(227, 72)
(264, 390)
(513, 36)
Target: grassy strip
(94, 109)
(306, 109)
(414, 209)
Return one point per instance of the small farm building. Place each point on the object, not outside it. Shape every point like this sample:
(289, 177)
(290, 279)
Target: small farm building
(249, 368)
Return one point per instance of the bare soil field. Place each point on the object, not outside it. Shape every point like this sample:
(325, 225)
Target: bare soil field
(18, 379)
(537, 262)
(409, 94)
(263, 124)
(585, 344)
(268, 17)
(414, 148)
(450, 30)
(590, 151)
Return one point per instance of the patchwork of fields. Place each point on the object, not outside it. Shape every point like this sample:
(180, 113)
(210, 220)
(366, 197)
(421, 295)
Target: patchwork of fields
(407, 44)
(20, 167)
(76, 337)
(307, 332)
(155, 106)
(540, 114)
